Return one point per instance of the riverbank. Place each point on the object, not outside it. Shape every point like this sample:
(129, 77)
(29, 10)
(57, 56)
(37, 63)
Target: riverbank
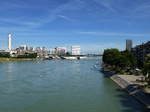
(128, 83)
(17, 59)
(131, 84)
(72, 57)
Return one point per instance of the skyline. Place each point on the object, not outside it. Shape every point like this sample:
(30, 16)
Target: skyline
(91, 24)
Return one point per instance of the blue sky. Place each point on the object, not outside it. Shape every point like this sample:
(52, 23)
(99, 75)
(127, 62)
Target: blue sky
(92, 24)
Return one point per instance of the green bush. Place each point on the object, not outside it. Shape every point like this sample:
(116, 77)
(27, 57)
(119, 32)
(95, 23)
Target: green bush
(6, 55)
(146, 69)
(28, 55)
(120, 60)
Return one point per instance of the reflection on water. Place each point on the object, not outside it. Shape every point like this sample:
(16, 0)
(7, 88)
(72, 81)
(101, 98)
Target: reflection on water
(8, 79)
(9, 71)
(60, 86)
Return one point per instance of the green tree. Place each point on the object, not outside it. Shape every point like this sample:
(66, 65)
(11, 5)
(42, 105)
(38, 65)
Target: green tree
(68, 54)
(5, 55)
(120, 60)
(146, 69)
(110, 56)
(130, 59)
(28, 55)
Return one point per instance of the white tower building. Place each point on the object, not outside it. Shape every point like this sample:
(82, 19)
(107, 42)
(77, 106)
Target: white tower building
(75, 50)
(9, 41)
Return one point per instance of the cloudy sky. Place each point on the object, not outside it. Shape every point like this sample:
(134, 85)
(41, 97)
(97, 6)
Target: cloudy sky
(92, 24)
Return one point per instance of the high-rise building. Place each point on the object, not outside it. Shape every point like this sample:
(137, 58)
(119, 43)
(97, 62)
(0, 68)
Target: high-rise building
(141, 52)
(24, 47)
(43, 48)
(128, 45)
(75, 50)
(60, 50)
(52, 51)
(9, 41)
(38, 49)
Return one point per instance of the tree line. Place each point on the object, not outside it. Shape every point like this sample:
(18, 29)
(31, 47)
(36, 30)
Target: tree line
(26, 55)
(5, 55)
(119, 61)
(125, 62)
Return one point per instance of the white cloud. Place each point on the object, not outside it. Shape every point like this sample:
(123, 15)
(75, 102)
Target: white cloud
(36, 22)
(66, 18)
(107, 4)
(116, 34)
(99, 48)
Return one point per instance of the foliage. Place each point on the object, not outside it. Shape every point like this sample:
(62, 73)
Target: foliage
(110, 56)
(68, 54)
(146, 69)
(28, 55)
(130, 58)
(120, 60)
(4, 55)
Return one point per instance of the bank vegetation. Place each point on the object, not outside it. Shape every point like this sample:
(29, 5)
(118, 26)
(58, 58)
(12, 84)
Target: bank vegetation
(124, 62)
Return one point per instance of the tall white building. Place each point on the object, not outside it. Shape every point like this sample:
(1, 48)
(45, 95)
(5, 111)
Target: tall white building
(75, 50)
(9, 42)
(128, 45)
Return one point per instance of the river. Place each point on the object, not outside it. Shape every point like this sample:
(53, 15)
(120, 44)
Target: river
(61, 86)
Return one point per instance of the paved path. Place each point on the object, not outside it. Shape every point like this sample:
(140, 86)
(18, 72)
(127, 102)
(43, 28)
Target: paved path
(125, 80)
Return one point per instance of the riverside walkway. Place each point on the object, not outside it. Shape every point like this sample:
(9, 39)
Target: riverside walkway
(124, 81)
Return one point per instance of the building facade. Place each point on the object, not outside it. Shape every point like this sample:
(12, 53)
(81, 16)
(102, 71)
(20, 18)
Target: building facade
(140, 52)
(60, 50)
(128, 45)
(75, 50)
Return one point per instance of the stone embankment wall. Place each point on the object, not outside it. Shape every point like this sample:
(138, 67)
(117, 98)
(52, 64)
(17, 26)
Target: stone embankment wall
(139, 95)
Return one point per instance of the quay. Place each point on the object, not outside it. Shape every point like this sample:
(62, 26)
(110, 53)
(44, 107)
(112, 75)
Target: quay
(127, 82)
(66, 57)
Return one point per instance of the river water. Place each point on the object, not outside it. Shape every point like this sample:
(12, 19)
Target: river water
(61, 86)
